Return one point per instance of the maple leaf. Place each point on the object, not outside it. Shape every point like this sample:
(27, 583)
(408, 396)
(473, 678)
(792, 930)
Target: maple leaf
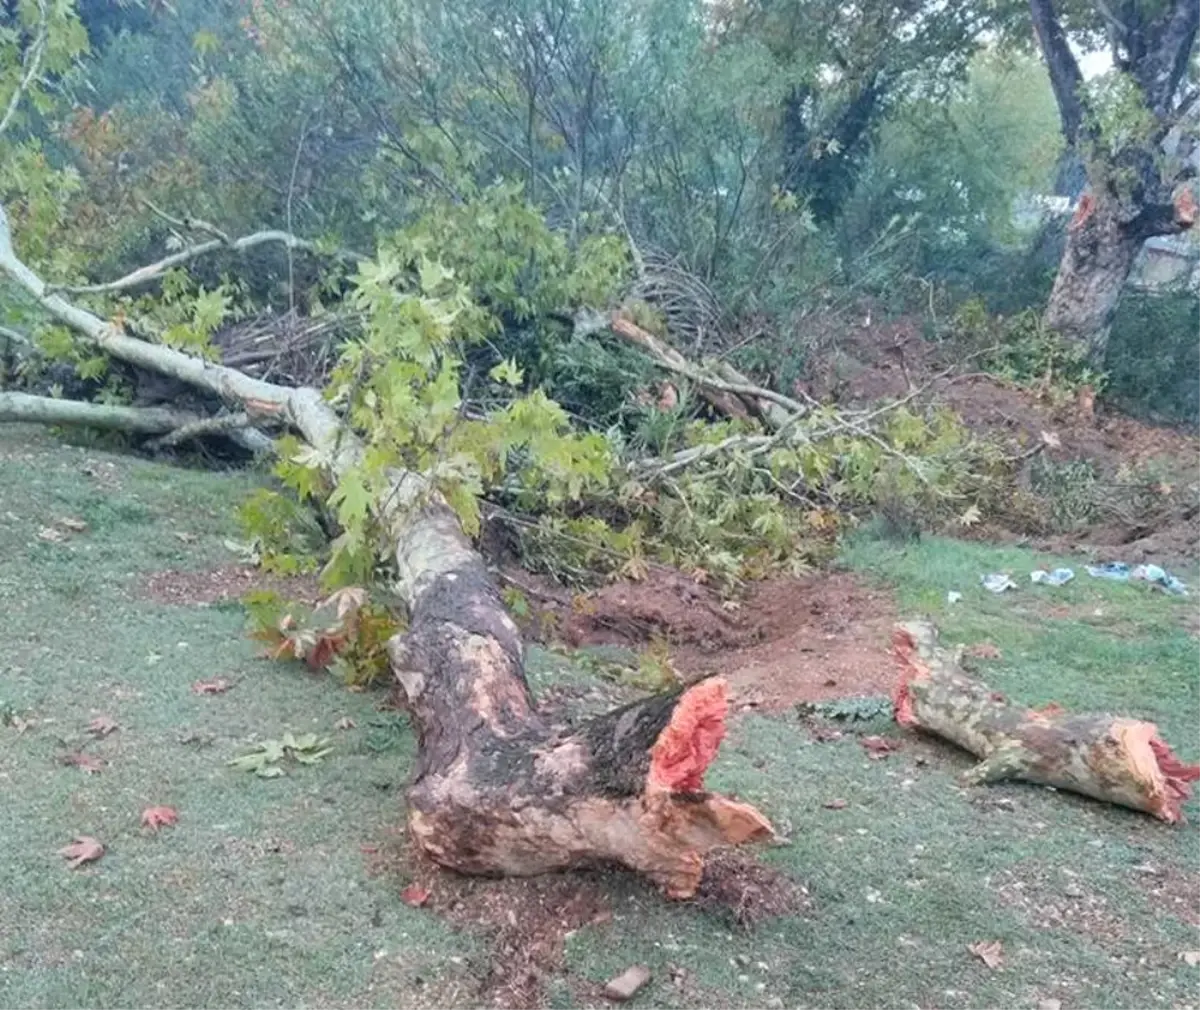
(89, 764)
(346, 601)
(878, 747)
(102, 725)
(218, 685)
(159, 817)
(84, 849)
(414, 895)
(990, 952)
(970, 517)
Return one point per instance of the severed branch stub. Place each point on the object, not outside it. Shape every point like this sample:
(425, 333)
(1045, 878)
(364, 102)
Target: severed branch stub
(1119, 760)
(497, 791)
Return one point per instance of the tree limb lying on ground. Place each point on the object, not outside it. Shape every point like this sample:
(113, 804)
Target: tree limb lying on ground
(1118, 760)
(497, 788)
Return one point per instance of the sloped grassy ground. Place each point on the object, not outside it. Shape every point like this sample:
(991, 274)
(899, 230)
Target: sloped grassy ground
(262, 895)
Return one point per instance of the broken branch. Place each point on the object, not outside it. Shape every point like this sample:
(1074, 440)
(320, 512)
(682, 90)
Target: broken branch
(1119, 760)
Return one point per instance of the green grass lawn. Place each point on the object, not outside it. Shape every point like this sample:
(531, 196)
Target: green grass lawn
(261, 895)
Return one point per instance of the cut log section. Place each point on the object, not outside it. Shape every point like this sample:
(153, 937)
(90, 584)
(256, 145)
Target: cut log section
(1119, 760)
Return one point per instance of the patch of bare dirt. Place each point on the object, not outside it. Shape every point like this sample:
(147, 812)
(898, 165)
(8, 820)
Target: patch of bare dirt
(229, 582)
(739, 886)
(789, 640)
(527, 920)
(889, 359)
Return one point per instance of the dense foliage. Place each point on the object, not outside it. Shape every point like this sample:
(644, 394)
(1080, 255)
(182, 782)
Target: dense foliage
(475, 178)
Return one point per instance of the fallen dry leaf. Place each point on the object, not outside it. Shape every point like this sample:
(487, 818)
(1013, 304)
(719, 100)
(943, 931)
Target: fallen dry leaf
(878, 747)
(218, 685)
(1051, 439)
(83, 850)
(984, 650)
(414, 895)
(89, 764)
(1190, 957)
(187, 538)
(102, 725)
(1049, 1004)
(990, 952)
(835, 805)
(345, 722)
(50, 535)
(74, 525)
(159, 817)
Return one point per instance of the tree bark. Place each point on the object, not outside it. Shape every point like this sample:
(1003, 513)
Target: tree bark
(1118, 760)
(1097, 260)
(497, 790)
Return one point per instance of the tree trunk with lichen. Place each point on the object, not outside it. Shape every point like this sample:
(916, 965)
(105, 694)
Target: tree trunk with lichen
(1118, 760)
(497, 789)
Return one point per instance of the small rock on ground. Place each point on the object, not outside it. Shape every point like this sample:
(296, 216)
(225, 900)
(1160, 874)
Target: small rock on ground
(626, 985)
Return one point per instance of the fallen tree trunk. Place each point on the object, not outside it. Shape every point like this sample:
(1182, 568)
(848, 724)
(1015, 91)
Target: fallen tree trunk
(1118, 760)
(497, 790)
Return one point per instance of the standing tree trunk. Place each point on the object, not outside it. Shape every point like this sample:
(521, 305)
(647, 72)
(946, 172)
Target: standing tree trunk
(1135, 168)
(1096, 263)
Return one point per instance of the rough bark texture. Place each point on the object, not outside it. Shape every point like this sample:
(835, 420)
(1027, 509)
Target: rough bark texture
(1109, 758)
(1134, 184)
(1096, 263)
(497, 790)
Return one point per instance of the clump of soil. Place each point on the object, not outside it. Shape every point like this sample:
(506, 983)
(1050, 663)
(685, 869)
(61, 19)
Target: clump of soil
(789, 640)
(217, 585)
(738, 885)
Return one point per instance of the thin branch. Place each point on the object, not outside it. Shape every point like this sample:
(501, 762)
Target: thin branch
(1065, 76)
(32, 64)
(155, 270)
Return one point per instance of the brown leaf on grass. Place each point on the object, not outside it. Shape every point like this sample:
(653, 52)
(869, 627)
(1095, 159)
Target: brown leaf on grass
(159, 817)
(102, 725)
(838, 804)
(89, 764)
(1190, 957)
(984, 650)
(83, 850)
(73, 525)
(218, 685)
(51, 535)
(345, 722)
(414, 895)
(990, 952)
(879, 747)
(186, 538)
